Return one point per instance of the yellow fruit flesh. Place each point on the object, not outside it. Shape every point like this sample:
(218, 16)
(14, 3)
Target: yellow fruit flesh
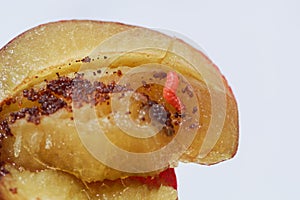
(52, 184)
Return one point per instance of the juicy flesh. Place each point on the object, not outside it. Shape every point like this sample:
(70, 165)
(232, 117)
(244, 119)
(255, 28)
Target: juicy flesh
(52, 184)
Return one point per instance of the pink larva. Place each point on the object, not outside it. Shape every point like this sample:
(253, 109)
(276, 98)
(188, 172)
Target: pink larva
(169, 91)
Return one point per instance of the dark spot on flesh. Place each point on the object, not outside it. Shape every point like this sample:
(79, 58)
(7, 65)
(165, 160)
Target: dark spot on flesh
(31, 94)
(3, 171)
(195, 109)
(119, 73)
(86, 59)
(13, 190)
(160, 75)
(160, 114)
(188, 90)
(176, 114)
(61, 86)
(4, 129)
(50, 103)
(17, 115)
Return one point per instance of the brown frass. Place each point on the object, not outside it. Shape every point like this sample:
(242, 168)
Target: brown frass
(61, 92)
(160, 75)
(3, 171)
(86, 59)
(188, 90)
(160, 114)
(4, 129)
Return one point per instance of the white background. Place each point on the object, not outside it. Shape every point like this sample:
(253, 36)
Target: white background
(255, 44)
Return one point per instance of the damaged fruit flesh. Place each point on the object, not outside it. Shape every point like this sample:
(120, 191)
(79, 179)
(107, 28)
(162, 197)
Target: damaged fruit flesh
(47, 100)
(34, 132)
(38, 141)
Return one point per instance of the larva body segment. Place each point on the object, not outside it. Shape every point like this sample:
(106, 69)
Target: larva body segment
(169, 91)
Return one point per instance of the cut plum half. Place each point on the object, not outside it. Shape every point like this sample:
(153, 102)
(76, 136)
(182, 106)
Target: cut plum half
(103, 101)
